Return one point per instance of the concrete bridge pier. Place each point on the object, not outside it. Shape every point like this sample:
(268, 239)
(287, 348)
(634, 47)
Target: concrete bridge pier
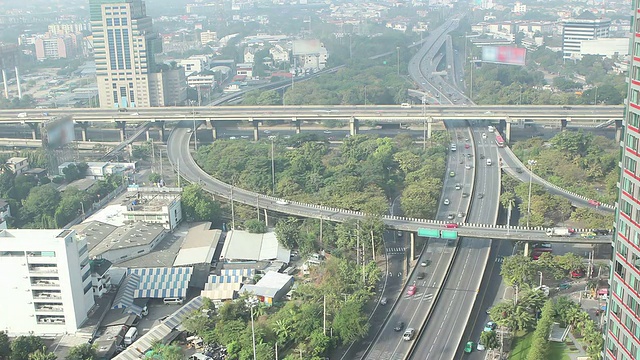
(526, 249)
(502, 126)
(122, 125)
(619, 130)
(214, 129)
(563, 124)
(163, 131)
(297, 124)
(4, 81)
(429, 127)
(34, 130)
(507, 131)
(84, 125)
(147, 134)
(256, 129)
(412, 246)
(353, 126)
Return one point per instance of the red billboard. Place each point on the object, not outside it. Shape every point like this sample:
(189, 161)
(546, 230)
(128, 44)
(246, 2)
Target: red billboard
(504, 55)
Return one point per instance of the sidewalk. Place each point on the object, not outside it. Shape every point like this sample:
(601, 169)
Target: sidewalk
(577, 354)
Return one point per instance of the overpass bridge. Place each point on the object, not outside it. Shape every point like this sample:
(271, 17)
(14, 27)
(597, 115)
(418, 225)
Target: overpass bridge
(180, 157)
(505, 115)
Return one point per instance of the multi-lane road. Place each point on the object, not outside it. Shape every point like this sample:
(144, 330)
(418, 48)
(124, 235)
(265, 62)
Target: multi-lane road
(411, 310)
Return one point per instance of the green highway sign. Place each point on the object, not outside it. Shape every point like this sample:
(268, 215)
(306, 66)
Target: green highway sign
(433, 233)
(448, 234)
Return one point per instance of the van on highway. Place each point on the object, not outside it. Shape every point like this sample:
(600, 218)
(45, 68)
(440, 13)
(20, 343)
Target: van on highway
(488, 162)
(405, 105)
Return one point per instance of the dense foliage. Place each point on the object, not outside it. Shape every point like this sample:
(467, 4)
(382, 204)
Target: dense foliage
(362, 173)
(581, 162)
(295, 327)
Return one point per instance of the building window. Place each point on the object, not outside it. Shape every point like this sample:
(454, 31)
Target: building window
(621, 248)
(116, 21)
(123, 21)
(620, 270)
(109, 22)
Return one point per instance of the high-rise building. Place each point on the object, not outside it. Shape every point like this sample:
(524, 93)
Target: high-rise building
(124, 48)
(622, 331)
(56, 47)
(587, 26)
(46, 286)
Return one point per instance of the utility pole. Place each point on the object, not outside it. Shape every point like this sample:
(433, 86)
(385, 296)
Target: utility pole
(273, 170)
(363, 277)
(258, 205)
(358, 243)
(161, 173)
(324, 315)
(424, 123)
(373, 247)
(321, 223)
(178, 172)
(233, 214)
(153, 156)
(276, 351)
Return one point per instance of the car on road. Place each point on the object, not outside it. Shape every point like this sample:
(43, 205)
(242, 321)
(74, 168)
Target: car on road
(490, 326)
(327, 132)
(399, 326)
(468, 348)
(135, 114)
(594, 202)
(484, 135)
(602, 232)
(405, 105)
(282, 202)
(452, 173)
(267, 131)
(480, 196)
(412, 290)
(465, 195)
(453, 147)
(247, 136)
(399, 234)
(408, 334)
(425, 263)
(451, 216)
(466, 146)
(577, 273)
(458, 186)
(481, 156)
(519, 170)
(383, 301)
(589, 235)
(469, 156)
(461, 214)
(468, 167)
(421, 275)
(446, 202)
(451, 226)
(480, 346)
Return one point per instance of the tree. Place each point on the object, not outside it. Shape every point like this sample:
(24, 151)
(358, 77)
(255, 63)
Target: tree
(198, 323)
(39, 207)
(255, 226)
(350, 322)
(160, 351)
(22, 346)
(155, 177)
(287, 232)
(42, 354)
(490, 340)
(82, 352)
(5, 346)
(197, 205)
(518, 270)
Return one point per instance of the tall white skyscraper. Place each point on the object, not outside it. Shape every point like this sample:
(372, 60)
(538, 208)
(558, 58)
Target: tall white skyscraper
(46, 281)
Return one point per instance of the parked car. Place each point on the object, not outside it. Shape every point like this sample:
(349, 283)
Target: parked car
(490, 326)
(468, 348)
(577, 273)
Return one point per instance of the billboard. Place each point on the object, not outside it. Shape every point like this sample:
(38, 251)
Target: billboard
(306, 47)
(57, 132)
(504, 55)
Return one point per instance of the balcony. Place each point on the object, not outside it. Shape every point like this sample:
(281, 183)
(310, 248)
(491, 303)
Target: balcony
(47, 296)
(41, 308)
(45, 283)
(43, 269)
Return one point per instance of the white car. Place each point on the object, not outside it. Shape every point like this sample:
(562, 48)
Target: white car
(446, 202)
(282, 202)
(135, 114)
(480, 346)
(484, 135)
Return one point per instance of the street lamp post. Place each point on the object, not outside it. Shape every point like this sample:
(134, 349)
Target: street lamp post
(531, 163)
(253, 332)
(273, 169)
(195, 133)
(424, 123)
(595, 98)
(540, 273)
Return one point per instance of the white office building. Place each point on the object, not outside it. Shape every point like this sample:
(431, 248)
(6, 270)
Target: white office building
(584, 27)
(46, 282)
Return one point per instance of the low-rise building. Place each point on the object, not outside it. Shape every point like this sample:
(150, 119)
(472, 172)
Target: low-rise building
(154, 205)
(207, 37)
(122, 243)
(272, 287)
(5, 213)
(244, 69)
(17, 165)
(201, 81)
(244, 247)
(194, 64)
